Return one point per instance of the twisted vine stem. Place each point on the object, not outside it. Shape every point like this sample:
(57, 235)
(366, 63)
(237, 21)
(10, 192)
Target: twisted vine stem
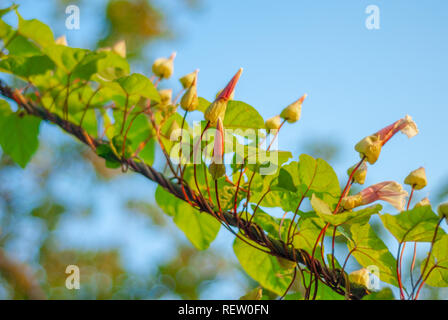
(334, 278)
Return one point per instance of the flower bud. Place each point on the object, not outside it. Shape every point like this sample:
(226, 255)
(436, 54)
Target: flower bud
(61, 40)
(442, 210)
(370, 147)
(165, 96)
(120, 48)
(360, 277)
(422, 203)
(273, 123)
(164, 67)
(187, 80)
(292, 112)
(351, 202)
(360, 174)
(217, 170)
(417, 179)
(189, 101)
(218, 108)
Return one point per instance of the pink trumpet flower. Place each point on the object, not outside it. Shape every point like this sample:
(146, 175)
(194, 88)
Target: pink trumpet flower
(389, 191)
(370, 147)
(405, 125)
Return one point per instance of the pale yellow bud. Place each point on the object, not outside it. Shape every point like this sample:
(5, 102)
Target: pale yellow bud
(273, 123)
(360, 277)
(61, 40)
(164, 67)
(187, 80)
(352, 202)
(217, 170)
(292, 112)
(370, 147)
(216, 110)
(422, 203)
(417, 179)
(360, 174)
(189, 101)
(165, 96)
(120, 48)
(443, 210)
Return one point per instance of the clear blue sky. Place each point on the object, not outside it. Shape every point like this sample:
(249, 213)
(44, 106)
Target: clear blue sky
(358, 80)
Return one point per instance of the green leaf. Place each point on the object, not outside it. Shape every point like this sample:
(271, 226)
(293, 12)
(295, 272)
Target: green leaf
(19, 137)
(241, 115)
(66, 58)
(20, 46)
(8, 9)
(285, 181)
(203, 104)
(271, 224)
(105, 151)
(36, 31)
(416, 225)
(199, 227)
(384, 294)
(26, 66)
(262, 267)
(369, 249)
(88, 66)
(317, 176)
(140, 85)
(438, 263)
(347, 217)
(111, 67)
(307, 233)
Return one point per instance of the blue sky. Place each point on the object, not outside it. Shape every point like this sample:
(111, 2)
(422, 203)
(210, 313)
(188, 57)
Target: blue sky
(357, 80)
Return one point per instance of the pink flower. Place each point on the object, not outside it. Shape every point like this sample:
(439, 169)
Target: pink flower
(405, 125)
(389, 191)
(370, 147)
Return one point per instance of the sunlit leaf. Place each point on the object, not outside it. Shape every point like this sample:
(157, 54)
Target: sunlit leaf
(199, 227)
(370, 250)
(416, 225)
(19, 137)
(262, 267)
